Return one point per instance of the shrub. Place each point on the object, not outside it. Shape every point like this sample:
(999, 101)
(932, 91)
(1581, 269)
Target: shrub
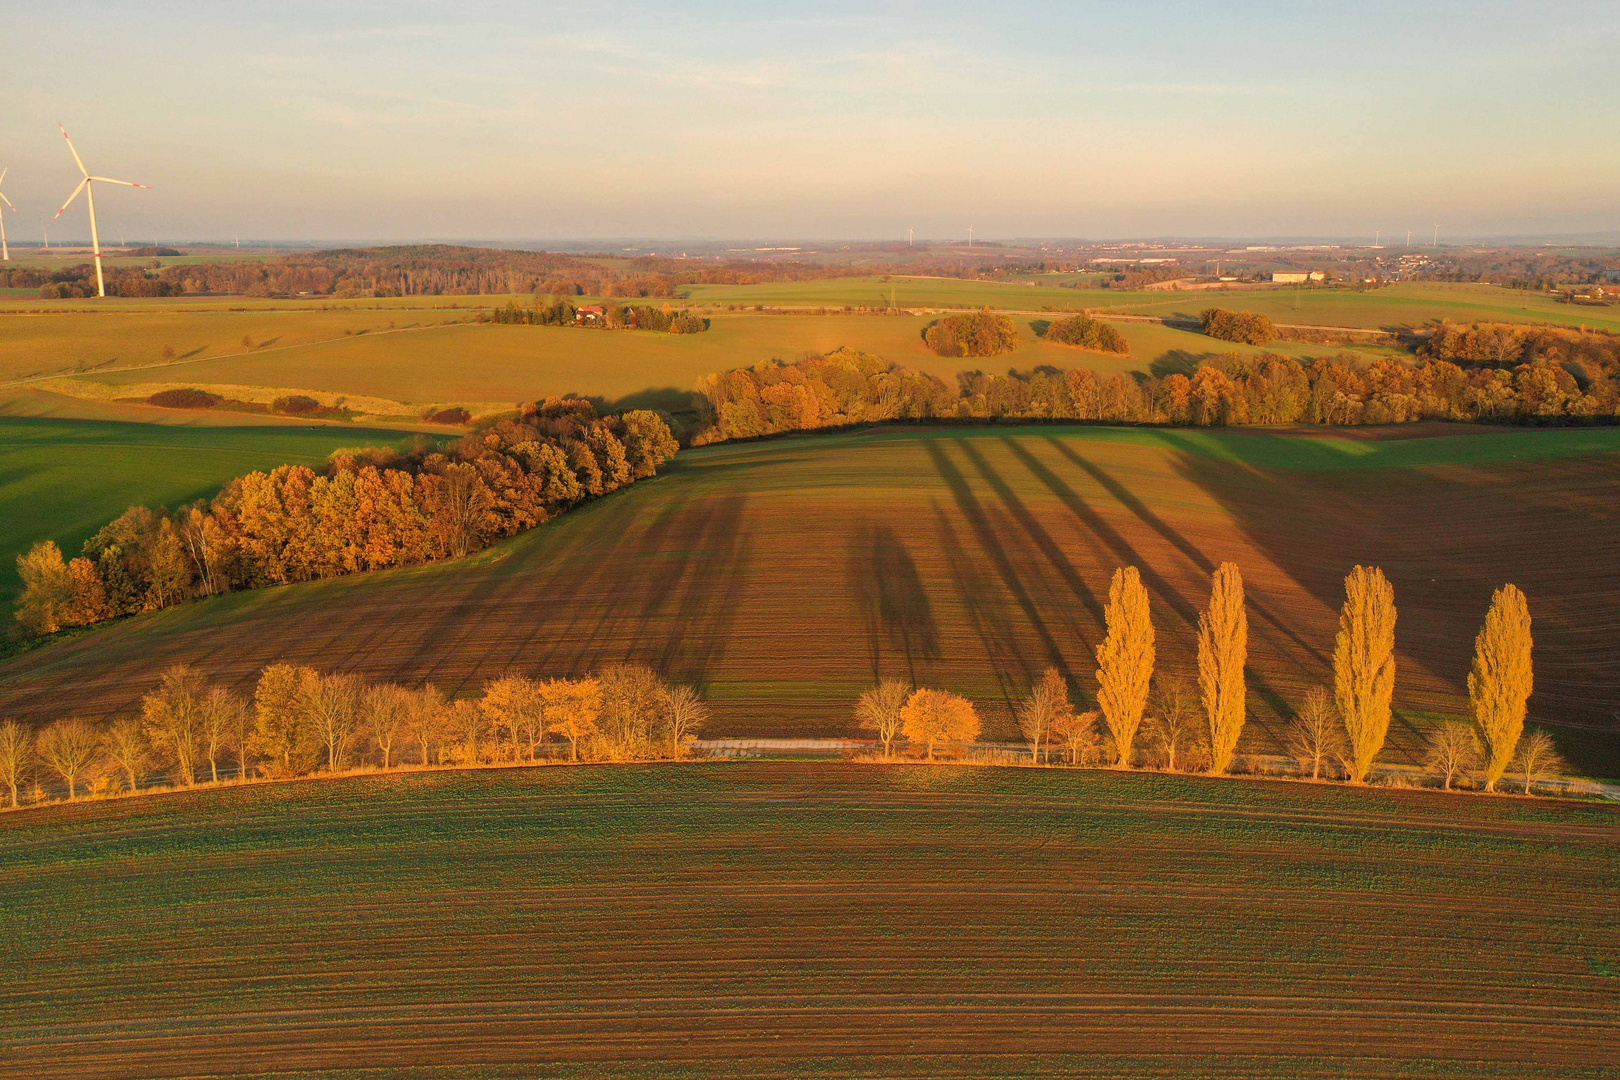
(453, 415)
(1245, 327)
(297, 405)
(184, 398)
(687, 323)
(982, 333)
(1088, 333)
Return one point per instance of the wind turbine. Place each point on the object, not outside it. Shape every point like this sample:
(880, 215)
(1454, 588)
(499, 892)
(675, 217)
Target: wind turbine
(970, 236)
(1437, 235)
(87, 185)
(910, 233)
(5, 251)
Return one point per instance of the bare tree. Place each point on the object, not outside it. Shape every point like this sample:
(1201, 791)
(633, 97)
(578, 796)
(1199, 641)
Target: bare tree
(1048, 701)
(386, 707)
(1176, 723)
(1538, 758)
(125, 747)
(573, 708)
(685, 713)
(1077, 732)
(1453, 749)
(1316, 734)
(172, 715)
(878, 709)
(425, 720)
(16, 754)
(68, 748)
(331, 705)
(223, 713)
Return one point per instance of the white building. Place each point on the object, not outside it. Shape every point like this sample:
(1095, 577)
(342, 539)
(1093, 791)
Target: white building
(1296, 277)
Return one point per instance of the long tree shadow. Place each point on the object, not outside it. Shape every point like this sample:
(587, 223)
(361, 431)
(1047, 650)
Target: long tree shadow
(713, 590)
(889, 595)
(991, 544)
(995, 632)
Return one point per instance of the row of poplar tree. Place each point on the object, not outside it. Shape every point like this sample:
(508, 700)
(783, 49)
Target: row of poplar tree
(300, 722)
(1339, 730)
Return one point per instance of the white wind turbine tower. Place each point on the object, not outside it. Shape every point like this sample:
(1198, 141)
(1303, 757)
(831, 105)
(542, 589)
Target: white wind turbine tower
(5, 251)
(87, 185)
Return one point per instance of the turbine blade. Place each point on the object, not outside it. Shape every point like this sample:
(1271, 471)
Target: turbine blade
(74, 152)
(3, 173)
(6, 200)
(110, 180)
(73, 196)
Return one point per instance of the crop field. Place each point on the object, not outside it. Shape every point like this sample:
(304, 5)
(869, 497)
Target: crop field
(782, 577)
(488, 368)
(64, 479)
(781, 919)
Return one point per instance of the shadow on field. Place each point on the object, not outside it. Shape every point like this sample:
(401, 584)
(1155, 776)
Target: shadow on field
(890, 597)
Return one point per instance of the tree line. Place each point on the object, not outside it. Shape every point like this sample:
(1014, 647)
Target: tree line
(559, 311)
(976, 333)
(1336, 732)
(368, 509)
(303, 722)
(850, 387)
(1245, 327)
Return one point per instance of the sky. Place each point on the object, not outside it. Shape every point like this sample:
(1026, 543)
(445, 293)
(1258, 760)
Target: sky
(830, 120)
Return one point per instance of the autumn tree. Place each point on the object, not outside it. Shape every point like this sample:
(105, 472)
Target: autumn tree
(1125, 661)
(1048, 702)
(46, 590)
(1176, 724)
(572, 710)
(1223, 650)
(1453, 749)
(1537, 758)
(464, 723)
(1500, 683)
(632, 705)
(16, 754)
(1077, 734)
(1364, 665)
(934, 717)
(279, 730)
(385, 709)
(425, 719)
(124, 746)
(1315, 736)
(878, 709)
(514, 708)
(331, 705)
(685, 712)
(173, 716)
(68, 748)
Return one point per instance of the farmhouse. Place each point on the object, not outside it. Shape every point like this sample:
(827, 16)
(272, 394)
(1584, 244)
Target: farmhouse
(1294, 277)
(588, 315)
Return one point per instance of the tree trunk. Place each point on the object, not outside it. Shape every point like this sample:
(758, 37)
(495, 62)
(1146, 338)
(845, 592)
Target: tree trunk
(213, 767)
(573, 750)
(131, 785)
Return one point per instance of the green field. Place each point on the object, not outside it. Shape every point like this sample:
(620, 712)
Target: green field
(782, 577)
(63, 479)
(793, 920)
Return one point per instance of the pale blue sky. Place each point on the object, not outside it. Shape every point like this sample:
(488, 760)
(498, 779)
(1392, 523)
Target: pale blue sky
(405, 120)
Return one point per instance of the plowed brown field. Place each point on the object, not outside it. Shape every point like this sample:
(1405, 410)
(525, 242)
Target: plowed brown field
(802, 920)
(784, 576)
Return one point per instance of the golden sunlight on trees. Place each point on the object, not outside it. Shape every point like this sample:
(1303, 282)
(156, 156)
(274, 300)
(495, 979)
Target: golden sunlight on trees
(1125, 661)
(68, 748)
(172, 716)
(572, 709)
(331, 707)
(1176, 725)
(385, 709)
(46, 590)
(222, 717)
(933, 718)
(1315, 736)
(515, 707)
(1223, 649)
(878, 710)
(1500, 683)
(1047, 704)
(1453, 750)
(1364, 665)
(424, 720)
(684, 715)
(16, 751)
(124, 747)
(1538, 758)
(1077, 734)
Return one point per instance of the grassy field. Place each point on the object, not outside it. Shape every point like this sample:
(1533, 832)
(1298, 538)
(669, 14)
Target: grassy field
(1400, 305)
(64, 479)
(778, 919)
(783, 577)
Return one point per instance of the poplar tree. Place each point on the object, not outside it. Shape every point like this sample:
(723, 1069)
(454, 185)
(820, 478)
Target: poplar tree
(1501, 681)
(1364, 665)
(1125, 661)
(1223, 649)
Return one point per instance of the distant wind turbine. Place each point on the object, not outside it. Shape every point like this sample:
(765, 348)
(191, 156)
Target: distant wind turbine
(5, 251)
(87, 185)
(1437, 235)
(911, 232)
(970, 236)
